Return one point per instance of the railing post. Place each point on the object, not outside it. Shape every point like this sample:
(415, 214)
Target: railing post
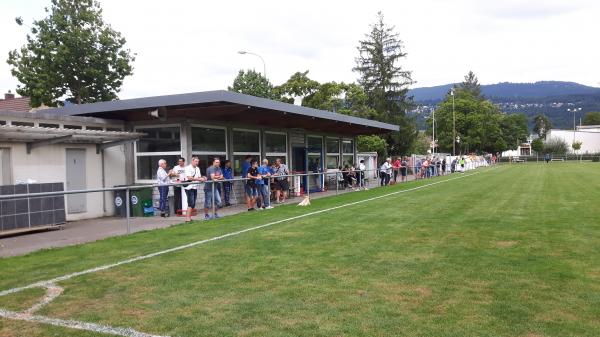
(128, 209)
(337, 184)
(308, 184)
(214, 211)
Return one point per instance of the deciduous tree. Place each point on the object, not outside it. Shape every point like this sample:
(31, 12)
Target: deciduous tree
(71, 54)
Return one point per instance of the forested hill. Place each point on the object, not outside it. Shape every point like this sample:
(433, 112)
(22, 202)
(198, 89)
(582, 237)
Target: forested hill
(510, 90)
(551, 98)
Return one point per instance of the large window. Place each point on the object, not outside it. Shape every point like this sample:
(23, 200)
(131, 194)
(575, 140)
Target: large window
(159, 139)
(160, 142)
(245, 143)
(333, 153)
(276, 146)
(348, 152)
(209, 139)
(208, 142)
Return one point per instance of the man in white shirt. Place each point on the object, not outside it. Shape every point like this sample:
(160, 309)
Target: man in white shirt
(361, 174)
(163, 179)
(178, 191)
(192, 174)
(385, 172)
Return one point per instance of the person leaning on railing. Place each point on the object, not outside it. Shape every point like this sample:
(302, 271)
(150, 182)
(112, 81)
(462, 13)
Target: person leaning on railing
(280, 174)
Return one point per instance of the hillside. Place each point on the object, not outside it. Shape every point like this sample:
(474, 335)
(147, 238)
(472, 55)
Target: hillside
(551, 98)
(510, 90)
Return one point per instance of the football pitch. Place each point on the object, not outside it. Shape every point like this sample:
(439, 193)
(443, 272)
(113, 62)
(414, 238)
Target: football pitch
(507, 251)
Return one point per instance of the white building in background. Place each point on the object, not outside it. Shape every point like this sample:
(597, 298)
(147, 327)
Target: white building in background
(588, 135)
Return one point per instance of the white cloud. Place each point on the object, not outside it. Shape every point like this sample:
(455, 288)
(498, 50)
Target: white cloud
(185, 46)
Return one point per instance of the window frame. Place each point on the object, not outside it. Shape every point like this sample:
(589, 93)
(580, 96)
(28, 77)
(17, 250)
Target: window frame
(245, 153)
(201, 153)
(277, 154)
(348, 154)
(137, 154)
(333, 154)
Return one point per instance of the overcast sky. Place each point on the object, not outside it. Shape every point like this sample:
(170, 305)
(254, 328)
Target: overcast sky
(186, 46)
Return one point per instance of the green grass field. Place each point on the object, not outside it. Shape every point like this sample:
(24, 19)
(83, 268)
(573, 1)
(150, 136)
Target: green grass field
(509, 251)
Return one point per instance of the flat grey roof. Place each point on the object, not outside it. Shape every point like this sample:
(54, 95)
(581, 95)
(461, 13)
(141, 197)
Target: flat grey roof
(207, 97)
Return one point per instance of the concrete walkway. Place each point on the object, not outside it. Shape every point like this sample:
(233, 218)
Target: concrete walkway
(82, 231)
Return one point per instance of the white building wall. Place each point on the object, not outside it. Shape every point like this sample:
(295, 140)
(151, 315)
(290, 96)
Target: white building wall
(590, 141)
(47, 164)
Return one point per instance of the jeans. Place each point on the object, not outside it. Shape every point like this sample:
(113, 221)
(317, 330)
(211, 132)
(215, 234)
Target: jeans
(208, 196)
(263, 191)
(385, 178)
(227, 188)
(163, 192)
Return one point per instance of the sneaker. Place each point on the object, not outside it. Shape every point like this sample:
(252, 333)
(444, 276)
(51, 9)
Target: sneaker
(250, 209)
(269, 207)
(217, 216)
(227, 204)
(206, 217)
(259, 209)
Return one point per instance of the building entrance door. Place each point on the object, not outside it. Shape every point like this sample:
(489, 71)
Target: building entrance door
(75, 180)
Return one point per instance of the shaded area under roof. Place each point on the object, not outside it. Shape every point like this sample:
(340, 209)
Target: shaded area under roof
(227, 106)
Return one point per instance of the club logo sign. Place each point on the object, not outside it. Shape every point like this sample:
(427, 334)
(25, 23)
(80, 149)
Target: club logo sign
(118, 201)
(134, 199)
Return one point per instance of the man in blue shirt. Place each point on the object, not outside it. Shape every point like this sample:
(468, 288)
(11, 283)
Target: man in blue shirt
(262, 185)
(227, 185)
(245, 168)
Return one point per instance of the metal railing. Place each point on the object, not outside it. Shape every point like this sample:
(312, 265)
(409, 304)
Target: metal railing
(366, 177)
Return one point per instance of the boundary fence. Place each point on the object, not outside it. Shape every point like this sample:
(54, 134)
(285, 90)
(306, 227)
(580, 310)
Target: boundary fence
(341, 181)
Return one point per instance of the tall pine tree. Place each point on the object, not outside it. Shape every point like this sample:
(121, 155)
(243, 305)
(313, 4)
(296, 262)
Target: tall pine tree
(386, 83)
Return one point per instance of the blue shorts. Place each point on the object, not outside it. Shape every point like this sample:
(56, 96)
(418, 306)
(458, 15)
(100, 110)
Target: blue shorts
(251, 191)
(191, 197)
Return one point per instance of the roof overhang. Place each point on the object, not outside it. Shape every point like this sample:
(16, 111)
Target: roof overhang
(35, 137)
(227, 106)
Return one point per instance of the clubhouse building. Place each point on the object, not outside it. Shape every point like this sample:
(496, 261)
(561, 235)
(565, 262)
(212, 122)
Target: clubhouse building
(120, 142)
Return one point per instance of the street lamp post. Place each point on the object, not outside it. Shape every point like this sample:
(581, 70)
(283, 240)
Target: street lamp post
(453, 124)
(574, 111)
(433, 133)
(243, 52)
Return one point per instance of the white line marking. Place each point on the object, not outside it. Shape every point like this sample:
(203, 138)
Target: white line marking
(44, 284)
(125, 332)
(52, 292)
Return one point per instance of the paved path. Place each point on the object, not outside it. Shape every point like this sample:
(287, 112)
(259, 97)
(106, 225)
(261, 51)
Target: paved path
(83, 231)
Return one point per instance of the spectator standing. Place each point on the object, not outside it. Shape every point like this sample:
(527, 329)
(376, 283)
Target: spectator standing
(262, 185)
(444, 166)
(227, 185)
(385, 172)
(178, 191)
(251, 190)
(245, 167)
(396, 169)
(462, 164)
(211, 193)
(163, 179)
(361, 174)
(547, 158)
(193, 176)
(419, 169)
(403, 169)
(281, 173)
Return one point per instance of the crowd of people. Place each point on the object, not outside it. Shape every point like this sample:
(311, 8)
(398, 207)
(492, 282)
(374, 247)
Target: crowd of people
(217, 183)
(389, 172)
(264, 181)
